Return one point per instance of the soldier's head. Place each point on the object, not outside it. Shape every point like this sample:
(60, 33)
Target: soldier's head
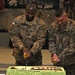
(61, 16)
(30, 11)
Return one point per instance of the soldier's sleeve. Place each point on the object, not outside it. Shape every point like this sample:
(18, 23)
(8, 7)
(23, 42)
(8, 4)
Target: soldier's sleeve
(14, 33)
(40, 38)
(67, 57)
(51, 40)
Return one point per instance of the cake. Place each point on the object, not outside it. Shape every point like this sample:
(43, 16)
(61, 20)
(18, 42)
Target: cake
(35, 70)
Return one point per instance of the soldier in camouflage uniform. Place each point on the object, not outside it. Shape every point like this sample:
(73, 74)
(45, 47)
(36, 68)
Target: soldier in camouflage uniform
(28, 34)
(61, 35)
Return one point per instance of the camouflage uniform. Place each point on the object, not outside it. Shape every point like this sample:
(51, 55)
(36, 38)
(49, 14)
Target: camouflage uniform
(30, 35)
(62, 42)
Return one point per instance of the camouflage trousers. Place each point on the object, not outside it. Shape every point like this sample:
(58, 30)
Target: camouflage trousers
(70, 70)
(35, 60)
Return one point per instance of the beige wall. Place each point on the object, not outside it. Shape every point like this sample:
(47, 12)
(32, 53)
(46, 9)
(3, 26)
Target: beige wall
(7, 16)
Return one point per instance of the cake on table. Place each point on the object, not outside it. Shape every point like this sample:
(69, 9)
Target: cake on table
(35, 70)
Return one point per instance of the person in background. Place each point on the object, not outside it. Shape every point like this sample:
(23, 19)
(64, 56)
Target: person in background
(69, 7)
(28, 34)
(61, 37)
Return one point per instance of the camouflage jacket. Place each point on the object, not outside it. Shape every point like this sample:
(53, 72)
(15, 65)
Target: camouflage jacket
(28, 34)
(62, 42)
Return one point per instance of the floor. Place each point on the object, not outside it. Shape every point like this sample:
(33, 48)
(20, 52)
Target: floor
(6, 58)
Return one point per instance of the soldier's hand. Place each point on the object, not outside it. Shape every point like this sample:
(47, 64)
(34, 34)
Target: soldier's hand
(24, 49)
(55, 58)
(26, 53)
